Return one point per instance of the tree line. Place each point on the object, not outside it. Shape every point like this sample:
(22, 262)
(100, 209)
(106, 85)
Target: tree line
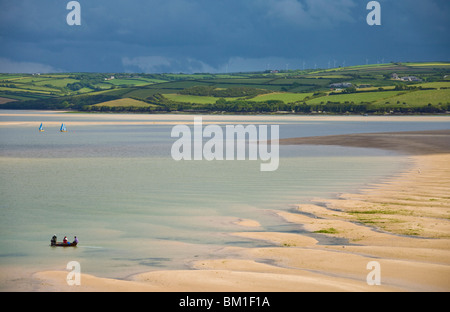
(274, 106)
(162, 104)
(68, 102)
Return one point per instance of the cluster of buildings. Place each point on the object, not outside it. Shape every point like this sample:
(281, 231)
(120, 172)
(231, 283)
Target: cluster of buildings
(407, 78)
(343, 85)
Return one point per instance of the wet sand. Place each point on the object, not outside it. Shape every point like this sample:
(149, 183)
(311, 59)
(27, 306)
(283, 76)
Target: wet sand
(412, 142)
(403, 224)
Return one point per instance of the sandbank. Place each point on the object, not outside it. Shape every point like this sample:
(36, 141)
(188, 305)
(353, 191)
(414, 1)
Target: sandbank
(54, 118)
(411, 142)
(403, 223)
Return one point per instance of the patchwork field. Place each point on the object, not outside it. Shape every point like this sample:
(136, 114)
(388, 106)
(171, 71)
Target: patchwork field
(124, 103)
(374, 89)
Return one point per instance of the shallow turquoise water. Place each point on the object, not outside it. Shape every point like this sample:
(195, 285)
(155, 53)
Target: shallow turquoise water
(135, 209)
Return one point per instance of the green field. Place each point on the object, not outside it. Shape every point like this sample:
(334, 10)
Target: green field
(435, 85)
(418, 98)
(59, 83)
(285, 97)
(360, 97)
(193, 98)
(27, 89)
(124, 103)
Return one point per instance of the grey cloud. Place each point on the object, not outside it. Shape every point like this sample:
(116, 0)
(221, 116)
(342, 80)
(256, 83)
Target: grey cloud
(309, 14)
(163, 64)
(9, 66)
(206, 35)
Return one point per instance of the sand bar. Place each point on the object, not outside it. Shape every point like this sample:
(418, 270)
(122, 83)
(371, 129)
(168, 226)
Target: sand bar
(79, 119)
(402, 223)
(414, 142)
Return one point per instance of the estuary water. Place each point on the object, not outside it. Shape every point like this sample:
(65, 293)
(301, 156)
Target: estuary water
(111, 181)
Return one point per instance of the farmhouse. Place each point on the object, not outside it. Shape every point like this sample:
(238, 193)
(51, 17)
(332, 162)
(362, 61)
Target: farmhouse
(410, 78)
(407, 78)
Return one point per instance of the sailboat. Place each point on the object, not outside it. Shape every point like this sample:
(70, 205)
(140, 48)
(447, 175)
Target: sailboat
(63, 128)
(41, 128)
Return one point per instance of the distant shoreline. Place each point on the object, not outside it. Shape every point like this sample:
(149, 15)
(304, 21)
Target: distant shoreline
(232, 113)
(189, 116)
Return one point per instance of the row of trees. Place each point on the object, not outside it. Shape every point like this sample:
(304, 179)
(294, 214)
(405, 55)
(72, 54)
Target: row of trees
(242, 106)
(69, 102)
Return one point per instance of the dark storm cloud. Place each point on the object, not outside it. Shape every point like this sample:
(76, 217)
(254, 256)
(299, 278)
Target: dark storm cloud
(217, 36)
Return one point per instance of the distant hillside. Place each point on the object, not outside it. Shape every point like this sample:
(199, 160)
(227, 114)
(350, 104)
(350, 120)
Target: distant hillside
(394, 88)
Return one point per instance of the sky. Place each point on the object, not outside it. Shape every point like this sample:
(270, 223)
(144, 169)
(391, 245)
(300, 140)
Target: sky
(217, 36)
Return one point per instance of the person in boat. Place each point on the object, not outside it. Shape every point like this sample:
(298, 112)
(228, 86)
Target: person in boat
(65, 240)
(75, 241)
(53, 241)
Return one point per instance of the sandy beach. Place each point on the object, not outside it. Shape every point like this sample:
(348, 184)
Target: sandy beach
(402, 224)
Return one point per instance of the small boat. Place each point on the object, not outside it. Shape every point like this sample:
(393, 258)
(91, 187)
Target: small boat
(68, 244)
(63, 128)
(41, 128)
